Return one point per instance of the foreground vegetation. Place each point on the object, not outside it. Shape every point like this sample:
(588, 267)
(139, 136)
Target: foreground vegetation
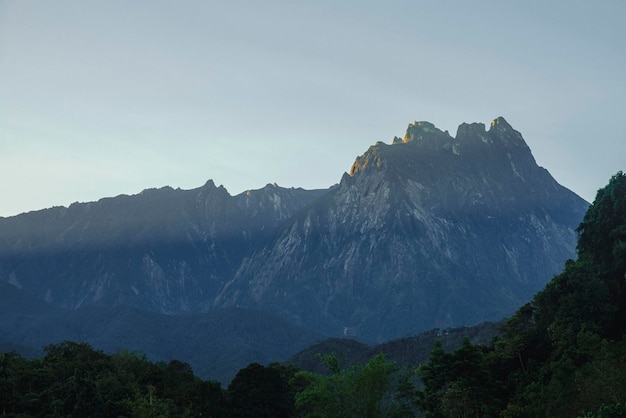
(73, 379)
(561, 355)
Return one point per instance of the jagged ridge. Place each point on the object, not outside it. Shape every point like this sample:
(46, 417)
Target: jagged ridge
(163, 250)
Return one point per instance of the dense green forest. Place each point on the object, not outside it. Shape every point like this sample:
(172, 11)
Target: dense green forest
(561, 355)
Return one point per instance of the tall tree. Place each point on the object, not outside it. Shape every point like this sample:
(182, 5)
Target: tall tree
(363, 391)
(258, 391)
(459, 384)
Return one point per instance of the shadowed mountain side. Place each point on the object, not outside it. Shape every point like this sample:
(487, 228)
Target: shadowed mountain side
(215, 344)
(163, 250)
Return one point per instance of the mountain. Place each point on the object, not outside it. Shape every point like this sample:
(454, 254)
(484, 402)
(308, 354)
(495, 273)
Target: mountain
(429, 231)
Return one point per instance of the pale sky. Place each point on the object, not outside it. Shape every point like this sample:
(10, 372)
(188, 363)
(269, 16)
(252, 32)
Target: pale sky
(106, 97)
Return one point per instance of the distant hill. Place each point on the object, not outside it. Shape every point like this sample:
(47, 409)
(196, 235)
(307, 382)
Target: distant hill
(216, 344)
(407, 351)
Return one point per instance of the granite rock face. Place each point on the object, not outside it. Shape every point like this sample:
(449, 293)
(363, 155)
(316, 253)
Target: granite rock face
(430, 231)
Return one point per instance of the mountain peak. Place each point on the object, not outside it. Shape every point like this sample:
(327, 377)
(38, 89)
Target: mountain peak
(417, 130)
(500, 143)
(425, 133)
(505, 133)
(501, 123)
(500, 132)
(210, 184)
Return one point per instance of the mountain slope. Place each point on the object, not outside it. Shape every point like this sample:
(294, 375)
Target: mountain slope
(429, 231)
(216, 344)
(163, 250)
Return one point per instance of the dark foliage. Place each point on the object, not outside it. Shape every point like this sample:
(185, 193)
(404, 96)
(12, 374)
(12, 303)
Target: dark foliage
(73, 379)
(262, 392)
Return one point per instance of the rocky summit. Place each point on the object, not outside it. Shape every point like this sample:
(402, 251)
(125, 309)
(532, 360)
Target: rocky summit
(428, 231)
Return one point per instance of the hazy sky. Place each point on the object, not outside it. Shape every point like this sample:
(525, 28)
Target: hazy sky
(100, 98)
